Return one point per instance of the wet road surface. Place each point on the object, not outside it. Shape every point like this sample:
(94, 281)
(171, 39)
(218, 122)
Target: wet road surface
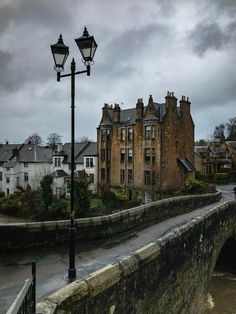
(52, 263)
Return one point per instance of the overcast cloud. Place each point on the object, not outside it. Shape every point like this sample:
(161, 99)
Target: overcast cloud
(143, 48)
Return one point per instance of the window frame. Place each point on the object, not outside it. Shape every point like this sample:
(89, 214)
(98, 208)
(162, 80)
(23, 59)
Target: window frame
(122, 155)
(153, 155)
(130, 155)
(103, 154)
(147, 132)
(153, 132)
(130, 175)
(147, 156)
(26, 177)
(122, 176)
(130, 133)
(122, 134)
(103, 135)
(57, 161)
(147, 177)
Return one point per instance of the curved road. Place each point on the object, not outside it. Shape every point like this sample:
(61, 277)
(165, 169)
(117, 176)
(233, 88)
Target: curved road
(52, 263)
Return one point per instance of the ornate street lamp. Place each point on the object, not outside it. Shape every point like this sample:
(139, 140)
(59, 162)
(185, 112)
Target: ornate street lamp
(60, 52)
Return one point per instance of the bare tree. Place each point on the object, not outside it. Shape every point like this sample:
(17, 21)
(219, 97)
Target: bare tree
(219, 132)
(53, 139)
(83, 139)
(231, 129)
(34, 139)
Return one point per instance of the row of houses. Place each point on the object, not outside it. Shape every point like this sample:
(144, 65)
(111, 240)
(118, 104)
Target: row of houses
(142, 151)
(216, 157)
(24, 165)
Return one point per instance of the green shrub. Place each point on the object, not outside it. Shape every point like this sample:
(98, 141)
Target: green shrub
(109, 199)
(46, 191)
(221, 176)
(2, 194)
(193, 186)
(10, 205)
(59, 209)
(95, 202)
(120, 194)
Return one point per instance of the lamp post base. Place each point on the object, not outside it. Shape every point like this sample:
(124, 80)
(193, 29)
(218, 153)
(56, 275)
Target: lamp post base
(71, 273)
(72, 269)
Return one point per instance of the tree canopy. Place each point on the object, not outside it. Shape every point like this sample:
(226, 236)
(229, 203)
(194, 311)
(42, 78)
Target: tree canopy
(53, 139)
(226, 131)
(34, 139)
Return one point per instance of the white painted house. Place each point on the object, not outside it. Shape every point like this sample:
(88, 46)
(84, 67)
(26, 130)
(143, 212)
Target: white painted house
(25, 165)
(85, 159)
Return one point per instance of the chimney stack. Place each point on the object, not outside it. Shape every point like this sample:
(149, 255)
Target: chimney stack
(116, 114)
(171, 101)
(139, 110)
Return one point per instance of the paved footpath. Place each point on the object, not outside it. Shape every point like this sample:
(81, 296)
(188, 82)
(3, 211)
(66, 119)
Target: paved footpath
(52, 263)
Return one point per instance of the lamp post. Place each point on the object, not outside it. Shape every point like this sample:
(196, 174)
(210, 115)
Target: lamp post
(87, 46)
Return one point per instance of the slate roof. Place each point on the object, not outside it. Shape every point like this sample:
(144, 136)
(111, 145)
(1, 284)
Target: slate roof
(81, 149)
(12, 153)
(6, 151)
(127, 116)
(35, 153)
(201, 150)
(91, 149)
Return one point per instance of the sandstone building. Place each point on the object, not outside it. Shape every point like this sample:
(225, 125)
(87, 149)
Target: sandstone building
(146, 150)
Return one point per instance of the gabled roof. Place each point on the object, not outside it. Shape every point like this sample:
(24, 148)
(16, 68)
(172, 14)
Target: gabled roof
(91, 149)
(67, 149)
(81, 150)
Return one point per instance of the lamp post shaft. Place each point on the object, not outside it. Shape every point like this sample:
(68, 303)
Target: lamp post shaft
(72, 269)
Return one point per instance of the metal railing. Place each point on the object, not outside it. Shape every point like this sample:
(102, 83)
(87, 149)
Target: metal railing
(25, 302)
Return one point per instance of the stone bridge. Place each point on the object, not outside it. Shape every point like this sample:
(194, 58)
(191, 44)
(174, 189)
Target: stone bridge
(168, 276)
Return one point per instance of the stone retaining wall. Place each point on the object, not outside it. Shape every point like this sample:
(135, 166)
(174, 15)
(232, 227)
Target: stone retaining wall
(169, 276)
(26, 235)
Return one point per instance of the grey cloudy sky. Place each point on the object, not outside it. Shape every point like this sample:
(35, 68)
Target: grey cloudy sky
(144, 47)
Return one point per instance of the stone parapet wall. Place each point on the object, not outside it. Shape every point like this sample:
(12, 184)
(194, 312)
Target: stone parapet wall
(169, 276)
(50, 232)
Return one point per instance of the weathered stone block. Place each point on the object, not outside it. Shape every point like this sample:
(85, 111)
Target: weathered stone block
(103, 279)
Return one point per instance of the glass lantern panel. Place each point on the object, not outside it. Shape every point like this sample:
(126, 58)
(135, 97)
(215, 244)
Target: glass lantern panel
(94, 47)
(59, 58)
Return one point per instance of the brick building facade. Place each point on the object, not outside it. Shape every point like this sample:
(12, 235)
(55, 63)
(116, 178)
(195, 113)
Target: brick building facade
(146, 150)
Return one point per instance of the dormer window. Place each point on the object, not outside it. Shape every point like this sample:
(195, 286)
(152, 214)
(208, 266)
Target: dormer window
(57, 162)
(89, 163)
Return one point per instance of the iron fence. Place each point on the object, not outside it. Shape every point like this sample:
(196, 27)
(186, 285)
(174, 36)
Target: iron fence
(25, 302)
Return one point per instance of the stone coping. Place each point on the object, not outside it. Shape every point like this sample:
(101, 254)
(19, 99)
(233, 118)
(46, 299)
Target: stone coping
(106, 277)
